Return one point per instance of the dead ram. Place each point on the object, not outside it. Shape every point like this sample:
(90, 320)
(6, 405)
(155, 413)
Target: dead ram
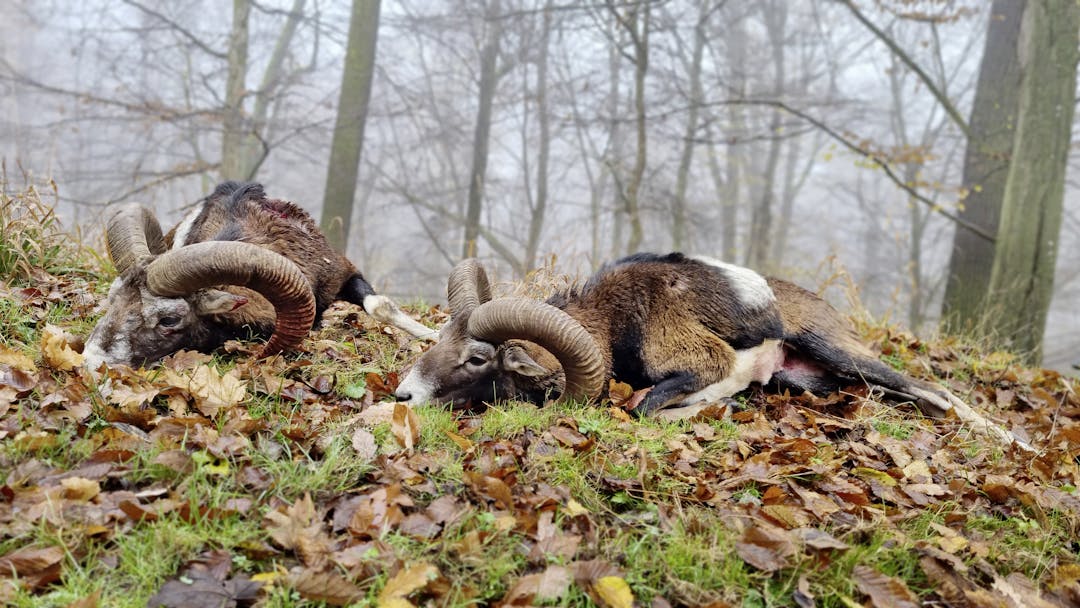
(239, 264)
(695, 329)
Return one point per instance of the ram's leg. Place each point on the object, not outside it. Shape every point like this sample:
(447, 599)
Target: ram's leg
(749, 365)
(381, 308)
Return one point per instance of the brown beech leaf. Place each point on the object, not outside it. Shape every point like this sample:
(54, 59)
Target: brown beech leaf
(406, 426)
(328, 587)
(571, 438)
(765, 547)
(31, 562)
(884, 591)
(546, 586)
(380, 388)
(408, 580)
(300, 528)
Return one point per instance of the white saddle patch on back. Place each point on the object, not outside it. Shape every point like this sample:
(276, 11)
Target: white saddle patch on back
(184, 228)
(750, 287)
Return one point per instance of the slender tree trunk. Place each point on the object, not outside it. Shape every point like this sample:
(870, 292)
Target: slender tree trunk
(345, 149)
(536, 221)
(482, 134)
(986, 167)
(761, 216)
(637, 23)
(256, 146)
(1022, 278)
(678, 226)
(232, 139)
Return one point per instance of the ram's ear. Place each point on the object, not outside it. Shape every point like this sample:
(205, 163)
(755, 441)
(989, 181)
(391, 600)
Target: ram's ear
(515, 359)
(216, 302)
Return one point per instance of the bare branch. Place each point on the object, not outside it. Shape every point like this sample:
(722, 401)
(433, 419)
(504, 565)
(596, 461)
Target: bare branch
(870, 154)
(938, 94)
(180, 29)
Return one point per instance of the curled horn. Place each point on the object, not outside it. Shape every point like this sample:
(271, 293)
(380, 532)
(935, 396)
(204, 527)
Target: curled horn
(467, 287)
(132, 233)
(185, 270)
(526, 319)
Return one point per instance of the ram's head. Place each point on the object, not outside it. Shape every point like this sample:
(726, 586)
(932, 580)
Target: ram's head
(166, 300)
(502, 348)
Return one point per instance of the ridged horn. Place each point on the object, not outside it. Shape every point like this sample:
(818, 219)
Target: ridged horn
(190, 268)
(467, 287)
(132, 233)
(527, 319)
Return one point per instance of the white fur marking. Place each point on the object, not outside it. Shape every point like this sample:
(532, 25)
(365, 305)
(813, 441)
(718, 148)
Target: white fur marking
(383, 310)
(185, 226)
(749, 286)
(755, 364)
(419, 388)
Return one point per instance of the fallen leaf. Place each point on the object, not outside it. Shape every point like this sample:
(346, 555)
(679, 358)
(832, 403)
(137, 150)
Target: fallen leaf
(408, 580)
(765, 547)
(57, 351)
(614, 592)
(364, 444)
(300, 528)
(549, 585)
(80, 488)
(884, 591)
(406, 426)
(328, 587)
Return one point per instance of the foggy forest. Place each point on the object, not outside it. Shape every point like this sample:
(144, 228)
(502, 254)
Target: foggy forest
(835, 143)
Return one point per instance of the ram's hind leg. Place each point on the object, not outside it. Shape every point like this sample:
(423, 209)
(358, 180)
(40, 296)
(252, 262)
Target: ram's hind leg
(381, 308)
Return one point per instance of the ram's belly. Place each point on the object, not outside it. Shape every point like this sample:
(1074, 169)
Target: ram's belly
(756, 364)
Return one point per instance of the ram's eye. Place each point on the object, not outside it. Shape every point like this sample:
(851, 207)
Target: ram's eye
(477, 361)
(169, 321)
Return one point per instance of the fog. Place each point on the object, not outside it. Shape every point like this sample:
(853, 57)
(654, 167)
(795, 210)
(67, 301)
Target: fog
(126, 101)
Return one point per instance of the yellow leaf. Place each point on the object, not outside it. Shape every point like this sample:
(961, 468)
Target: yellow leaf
(869, 474)
(16, 359)
(80, 488)
(614, 592)
(407, 580)
(56, 349)
(574, 508)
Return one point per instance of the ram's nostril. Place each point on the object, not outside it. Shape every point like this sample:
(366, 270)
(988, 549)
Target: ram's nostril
(401, 396)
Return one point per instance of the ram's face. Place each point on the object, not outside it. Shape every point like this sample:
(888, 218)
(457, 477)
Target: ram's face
(466, 372)
(139, 327)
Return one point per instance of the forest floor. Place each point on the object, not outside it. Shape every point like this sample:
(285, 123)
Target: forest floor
(224, 480)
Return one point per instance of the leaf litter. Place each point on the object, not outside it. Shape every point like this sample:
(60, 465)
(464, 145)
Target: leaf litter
(801, 495)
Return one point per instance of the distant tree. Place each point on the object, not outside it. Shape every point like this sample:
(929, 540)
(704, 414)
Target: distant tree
(1025, 254)
(245, 139)
(489, 79)
(986, 167)
(635, 19)
(348, 140)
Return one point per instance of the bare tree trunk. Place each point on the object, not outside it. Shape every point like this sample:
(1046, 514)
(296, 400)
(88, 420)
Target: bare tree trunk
(536, 221)
(761, 215)
(986, 167)
(256, 147)
(1022, 278)
(232, 138)
(678, 226)
(636, 22)
(482, 134)
(348, 142)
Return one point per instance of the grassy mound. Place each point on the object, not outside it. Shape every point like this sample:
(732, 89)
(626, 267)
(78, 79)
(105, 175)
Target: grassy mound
(224, 480)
